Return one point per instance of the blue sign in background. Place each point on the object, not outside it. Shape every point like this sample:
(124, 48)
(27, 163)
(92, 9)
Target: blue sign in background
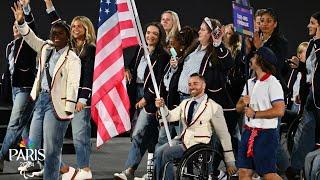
(243, 19)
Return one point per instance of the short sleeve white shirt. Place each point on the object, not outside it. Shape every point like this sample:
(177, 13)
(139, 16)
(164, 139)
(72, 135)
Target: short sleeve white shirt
(262, 94)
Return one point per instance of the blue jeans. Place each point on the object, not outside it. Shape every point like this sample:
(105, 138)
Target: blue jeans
(81, 133)
(304, 139)
(163, 136)
(19, 118)
(44, 122)
(312, 165)
(144, 136)
(166, 154)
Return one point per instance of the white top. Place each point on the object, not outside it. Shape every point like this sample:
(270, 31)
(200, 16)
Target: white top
(310, 65)
(296, 87)
(262, 94)
(191, 65)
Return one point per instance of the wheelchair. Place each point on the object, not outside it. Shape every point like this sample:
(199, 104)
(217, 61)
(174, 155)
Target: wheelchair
(198, 163)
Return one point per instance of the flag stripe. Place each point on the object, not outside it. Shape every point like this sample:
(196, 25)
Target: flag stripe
(113, 123)
(106, 26)
(123, 7)
(110, 102)
(115, 57)
(101, 90)
(132, 41)
(101, 128)
(109, 74)
(119, 104)
(112, 38)
(108, 122)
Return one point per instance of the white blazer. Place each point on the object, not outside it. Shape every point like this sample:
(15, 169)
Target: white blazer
(206, 120)
(66, 74)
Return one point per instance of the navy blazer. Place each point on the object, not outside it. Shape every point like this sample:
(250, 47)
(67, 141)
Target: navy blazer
(159, 59)
(24, 56)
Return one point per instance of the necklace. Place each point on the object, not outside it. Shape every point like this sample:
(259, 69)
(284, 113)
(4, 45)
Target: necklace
(81, 49)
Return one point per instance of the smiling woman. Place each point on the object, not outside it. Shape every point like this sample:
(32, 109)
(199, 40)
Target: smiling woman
(59, 35)
(53, 90)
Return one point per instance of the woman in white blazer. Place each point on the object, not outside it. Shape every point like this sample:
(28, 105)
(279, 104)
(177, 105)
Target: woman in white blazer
(54, 90)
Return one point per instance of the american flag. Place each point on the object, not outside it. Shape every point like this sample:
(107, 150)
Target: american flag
(110, 102)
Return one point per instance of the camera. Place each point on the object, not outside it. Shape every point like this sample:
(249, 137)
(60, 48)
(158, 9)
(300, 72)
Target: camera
(216, 32)
(289, 61)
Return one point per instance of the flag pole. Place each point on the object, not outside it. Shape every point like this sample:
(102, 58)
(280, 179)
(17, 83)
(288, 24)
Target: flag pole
(146, 53)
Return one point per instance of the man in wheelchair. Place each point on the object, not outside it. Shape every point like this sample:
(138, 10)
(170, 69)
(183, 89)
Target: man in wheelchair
(201, 117)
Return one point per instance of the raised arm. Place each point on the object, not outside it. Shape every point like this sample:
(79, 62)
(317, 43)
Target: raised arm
(51, 11)
(223, 54)
(27, 33)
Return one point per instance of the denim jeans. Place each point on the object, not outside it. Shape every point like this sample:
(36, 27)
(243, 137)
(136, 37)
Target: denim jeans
(163, 136)
(144, 136)
(19, 118)
(166, 154)
(81, 133)
(44, 122)
(305, 137)
(312, 165)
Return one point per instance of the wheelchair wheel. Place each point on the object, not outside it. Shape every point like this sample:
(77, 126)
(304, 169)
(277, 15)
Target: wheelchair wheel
(197, 163)
(291, 133)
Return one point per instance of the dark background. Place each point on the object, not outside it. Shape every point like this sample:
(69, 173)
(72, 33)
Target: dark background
(293, 15)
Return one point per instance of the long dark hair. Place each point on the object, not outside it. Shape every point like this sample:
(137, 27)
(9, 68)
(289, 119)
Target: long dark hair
(316, 15)
(162, 34)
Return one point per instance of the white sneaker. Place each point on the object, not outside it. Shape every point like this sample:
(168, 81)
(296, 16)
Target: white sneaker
(68, 175)
(38, 173)
(124, 175)
(82, 174)
(144, 177)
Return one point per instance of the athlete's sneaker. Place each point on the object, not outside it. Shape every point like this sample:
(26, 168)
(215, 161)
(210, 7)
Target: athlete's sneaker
(70, 174)
(124, 175)
(83, 174)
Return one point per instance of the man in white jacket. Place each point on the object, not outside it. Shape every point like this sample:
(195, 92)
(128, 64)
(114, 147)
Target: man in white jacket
(54, 90)
(201, 117)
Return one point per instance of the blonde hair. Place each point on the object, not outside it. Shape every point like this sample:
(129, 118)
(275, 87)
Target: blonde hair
(176, 27)
(90, 34)
(301, 46)
(234, 44)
